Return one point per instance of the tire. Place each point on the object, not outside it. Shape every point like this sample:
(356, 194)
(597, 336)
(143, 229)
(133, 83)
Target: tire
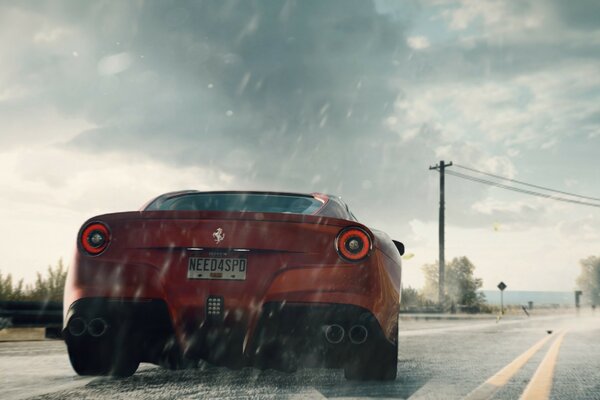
(100, 358)
(174, 360)
(86, 364)
(124, 366)
(374, 364)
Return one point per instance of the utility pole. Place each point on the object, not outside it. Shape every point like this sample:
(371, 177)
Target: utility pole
(442, 270)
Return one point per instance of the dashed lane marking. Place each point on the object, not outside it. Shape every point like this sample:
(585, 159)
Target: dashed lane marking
(541, 384)
(307, 394)
(487, 389)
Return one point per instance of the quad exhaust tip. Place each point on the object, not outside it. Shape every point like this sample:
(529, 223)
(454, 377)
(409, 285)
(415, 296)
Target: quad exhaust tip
(97, 327)
(334, 333)
(77, 326)
(358, 334)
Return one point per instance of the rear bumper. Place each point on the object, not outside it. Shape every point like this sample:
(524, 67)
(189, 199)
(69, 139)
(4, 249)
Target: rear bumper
(367, 286)
(284, 336)
(291, 334)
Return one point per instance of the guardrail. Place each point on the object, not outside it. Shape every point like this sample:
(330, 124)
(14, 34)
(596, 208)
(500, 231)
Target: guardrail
(32, 314)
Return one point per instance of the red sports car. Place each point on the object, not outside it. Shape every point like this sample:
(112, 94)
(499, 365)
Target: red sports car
(271, 280)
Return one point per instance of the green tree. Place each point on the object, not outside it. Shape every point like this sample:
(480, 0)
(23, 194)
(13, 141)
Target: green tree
(430, 290)
(49, 287)
(411, 298)
(461, 286)
(589, 279)
(10, 290)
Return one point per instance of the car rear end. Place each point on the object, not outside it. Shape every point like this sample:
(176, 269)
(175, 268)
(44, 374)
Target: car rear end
(270, 289)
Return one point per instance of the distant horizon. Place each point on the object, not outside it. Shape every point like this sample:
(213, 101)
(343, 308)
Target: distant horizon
(539, 297)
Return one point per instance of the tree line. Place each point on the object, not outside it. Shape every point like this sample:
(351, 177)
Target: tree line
(47, 287)
(462, 287)
(589, 280)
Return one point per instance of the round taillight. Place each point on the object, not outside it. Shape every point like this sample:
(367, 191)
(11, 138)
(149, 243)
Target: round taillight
(95, 238)
(353, 244)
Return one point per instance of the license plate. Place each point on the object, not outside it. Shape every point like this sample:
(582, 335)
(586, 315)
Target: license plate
(227, 268)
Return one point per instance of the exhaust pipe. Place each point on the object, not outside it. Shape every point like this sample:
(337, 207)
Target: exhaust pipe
(97, 327)
(77, 326)
(334, 333)
(358, 334)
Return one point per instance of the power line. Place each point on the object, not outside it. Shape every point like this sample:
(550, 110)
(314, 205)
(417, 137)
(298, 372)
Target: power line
(520, 190)
(526, 184)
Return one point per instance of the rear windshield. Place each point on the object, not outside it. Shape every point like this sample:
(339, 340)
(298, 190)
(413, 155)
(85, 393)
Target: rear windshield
(250, 202)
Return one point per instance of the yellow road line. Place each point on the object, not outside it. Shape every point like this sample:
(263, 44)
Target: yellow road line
(487, 389)
(541, 384)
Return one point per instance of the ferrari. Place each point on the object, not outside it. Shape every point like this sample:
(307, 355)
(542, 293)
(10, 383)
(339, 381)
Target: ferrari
(237, 279)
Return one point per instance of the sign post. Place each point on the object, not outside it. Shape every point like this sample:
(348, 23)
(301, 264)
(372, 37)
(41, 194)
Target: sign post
(502, 286)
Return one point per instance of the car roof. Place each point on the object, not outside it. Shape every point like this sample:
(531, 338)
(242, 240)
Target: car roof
(191, 191)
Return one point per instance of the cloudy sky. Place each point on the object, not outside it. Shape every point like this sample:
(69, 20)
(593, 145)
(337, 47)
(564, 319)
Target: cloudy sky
(106, 104)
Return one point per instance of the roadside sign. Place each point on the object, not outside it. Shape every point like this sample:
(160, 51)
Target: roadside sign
(502, 286)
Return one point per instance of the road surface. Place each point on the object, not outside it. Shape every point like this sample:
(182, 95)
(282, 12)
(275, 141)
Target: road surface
(439, 359)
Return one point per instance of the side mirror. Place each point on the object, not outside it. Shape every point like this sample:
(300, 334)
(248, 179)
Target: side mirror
(399, 246)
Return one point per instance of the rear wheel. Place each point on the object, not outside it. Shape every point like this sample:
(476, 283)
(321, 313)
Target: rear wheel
(102, 357)
(172, 358)
(373, 363)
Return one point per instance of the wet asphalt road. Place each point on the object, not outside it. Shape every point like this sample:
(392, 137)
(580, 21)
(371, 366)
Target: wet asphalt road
(439, 359)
